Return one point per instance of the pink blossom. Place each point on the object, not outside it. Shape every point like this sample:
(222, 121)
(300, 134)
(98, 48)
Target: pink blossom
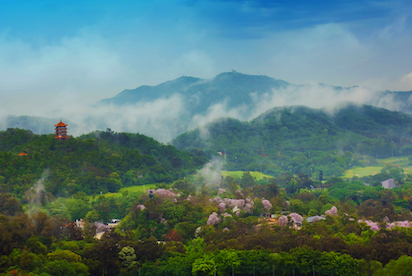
(266, 205)
(386, 219)
(248, 208)
(141, 207)
(403, 223)
(332, 212)
(390, 226)
(221, 191)
(213, 219)
(371, 224)
(225, 229)
(283, 220)
(240, 203)
(101, 227)
(217, 199)
(296, 218)
(163, 193)
(237, 213)
(287, 203)
(222, 206)
(226, 215)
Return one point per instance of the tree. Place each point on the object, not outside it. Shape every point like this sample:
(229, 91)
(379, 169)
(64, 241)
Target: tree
(227, 262)
(247, 180)
(128, 257)
(204, 265)
(401, 266)
(64, 268)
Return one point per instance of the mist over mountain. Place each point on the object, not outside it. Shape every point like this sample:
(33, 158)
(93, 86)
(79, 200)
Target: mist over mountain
(234, 89)
(302, 139)
(171, 108)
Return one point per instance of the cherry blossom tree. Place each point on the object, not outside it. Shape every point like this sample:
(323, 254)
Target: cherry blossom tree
(213, 219)
(283, 221)
(266, 205)
(296, 218)
(332, 211)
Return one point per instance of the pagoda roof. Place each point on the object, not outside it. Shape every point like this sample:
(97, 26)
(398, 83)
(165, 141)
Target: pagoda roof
(23, 154)
(60, 124)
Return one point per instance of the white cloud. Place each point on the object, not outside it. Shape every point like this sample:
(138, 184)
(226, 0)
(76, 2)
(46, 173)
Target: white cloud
(81, 68)
(405, 83)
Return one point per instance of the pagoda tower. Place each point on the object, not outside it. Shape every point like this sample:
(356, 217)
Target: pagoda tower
(61, 131)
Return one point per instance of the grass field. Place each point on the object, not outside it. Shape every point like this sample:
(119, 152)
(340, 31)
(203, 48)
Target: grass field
(359, 171)
(238, 174)
(366, 171)
(131, 190)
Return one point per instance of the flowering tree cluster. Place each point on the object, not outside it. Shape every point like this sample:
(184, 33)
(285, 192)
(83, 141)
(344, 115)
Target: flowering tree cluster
(296, 218)
(213, 219)
(404, 223)
(163, 193)
(373, 225)
(266, 205)
(283, 221)
(234, 204)
(332, 211)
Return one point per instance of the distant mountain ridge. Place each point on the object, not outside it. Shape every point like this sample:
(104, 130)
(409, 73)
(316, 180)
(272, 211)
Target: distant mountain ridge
(235, 88)
(173, 107)
(301, 139)
(239, 89)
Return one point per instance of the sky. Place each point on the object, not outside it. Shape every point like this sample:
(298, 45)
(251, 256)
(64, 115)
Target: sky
(67, 54)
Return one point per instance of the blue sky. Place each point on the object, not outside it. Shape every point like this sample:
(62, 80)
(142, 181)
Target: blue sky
(83, 51)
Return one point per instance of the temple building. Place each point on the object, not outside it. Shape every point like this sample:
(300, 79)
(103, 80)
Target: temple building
(22, 154)
(61, 131)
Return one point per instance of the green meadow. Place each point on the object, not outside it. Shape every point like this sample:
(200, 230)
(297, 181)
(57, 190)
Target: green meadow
(402, 161)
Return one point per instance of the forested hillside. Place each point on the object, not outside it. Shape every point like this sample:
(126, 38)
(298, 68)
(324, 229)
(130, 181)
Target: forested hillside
(236, 226)
(93, 163)
(304, 140)
(194, 221)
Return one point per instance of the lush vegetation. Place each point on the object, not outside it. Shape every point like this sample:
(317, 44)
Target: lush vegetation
(93, 163)
(304, 140)
(206, 228)
(182, 216)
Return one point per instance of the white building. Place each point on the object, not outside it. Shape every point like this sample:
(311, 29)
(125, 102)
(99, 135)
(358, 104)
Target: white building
(389, 183)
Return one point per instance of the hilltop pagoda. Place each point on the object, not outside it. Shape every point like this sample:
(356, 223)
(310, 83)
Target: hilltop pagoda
(61, 131)
(22, 154)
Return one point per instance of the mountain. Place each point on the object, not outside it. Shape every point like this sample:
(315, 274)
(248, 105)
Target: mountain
(174, 107)
(302, 139)
(240, 90)
(234, 88)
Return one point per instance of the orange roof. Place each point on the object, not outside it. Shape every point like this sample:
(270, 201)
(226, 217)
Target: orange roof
(60, 124)
(22, 154)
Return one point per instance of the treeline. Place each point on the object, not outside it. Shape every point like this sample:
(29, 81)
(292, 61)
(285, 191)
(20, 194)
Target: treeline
(97, 162)
(304, 140)
(196, 227)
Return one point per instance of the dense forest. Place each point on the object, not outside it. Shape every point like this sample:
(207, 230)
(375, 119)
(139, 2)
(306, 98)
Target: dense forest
(93, 163)
(194, 227)
(304, 140)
